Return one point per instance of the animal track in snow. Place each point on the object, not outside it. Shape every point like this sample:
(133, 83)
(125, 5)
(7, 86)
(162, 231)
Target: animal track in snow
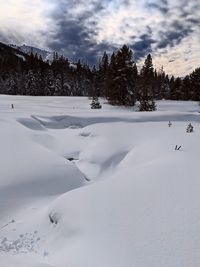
(25, 243)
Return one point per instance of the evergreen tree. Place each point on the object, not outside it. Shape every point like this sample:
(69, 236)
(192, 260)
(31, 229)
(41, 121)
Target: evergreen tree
(162, 84)
(95, 103)
(147, 86)
(175, 88)
(117, 78)
(102, 77)
(31, 84)
(49, 83)
(122, 78)
(11, 85)
(190, 128)
(195, 84)
(186, 89)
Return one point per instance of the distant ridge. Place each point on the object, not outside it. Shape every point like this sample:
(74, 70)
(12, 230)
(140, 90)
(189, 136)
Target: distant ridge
(46, 55)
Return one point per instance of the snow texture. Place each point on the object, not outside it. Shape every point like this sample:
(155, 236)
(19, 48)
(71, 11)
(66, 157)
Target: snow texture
(103, 188)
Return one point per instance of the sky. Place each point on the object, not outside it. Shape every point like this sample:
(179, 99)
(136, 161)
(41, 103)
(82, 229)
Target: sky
(168, 29)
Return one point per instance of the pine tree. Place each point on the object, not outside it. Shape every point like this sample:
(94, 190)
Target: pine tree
(162, 84)
(186, 88)
(2, 86)
(11, 85)
(103, 75)
(122, 77)
(175, 88)
(95, 103)
(116, 79)
(49, 83)
(190, 128)
(195, 84)
(111, 83)
(147, 86)
(31, 84)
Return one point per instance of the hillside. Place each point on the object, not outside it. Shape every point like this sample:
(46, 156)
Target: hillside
(46, 55)
(7, 52)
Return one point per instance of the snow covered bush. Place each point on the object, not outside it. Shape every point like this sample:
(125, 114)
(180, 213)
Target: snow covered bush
(95, 103)
(190, 128)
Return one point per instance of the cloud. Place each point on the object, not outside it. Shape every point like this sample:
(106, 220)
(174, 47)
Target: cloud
(74, 31)
(147, 26)
(143, 47)
(162, 5)
(84, 30)
(24, 21)
(180, 59)
(100, 25)
(176, 33)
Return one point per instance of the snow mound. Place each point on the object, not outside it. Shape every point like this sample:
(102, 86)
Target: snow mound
(146, 212)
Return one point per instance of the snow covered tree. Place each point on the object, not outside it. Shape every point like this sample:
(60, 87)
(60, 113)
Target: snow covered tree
(190, 128)
(11, 85)
(2, 86)
(95, 103)
(32, 83)
(49, 83)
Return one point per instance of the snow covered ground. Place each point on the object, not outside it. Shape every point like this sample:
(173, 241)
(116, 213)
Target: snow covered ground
(98, 188)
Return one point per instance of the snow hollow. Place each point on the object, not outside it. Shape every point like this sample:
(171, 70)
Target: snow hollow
(98, 188)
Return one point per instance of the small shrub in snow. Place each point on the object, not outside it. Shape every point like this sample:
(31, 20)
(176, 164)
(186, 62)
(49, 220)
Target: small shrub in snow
(95, 103)
(190, 128)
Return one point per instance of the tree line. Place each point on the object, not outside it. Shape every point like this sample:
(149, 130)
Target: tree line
(117, 78)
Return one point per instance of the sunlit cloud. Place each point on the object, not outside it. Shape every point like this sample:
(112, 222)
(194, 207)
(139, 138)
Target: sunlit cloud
(24, 21)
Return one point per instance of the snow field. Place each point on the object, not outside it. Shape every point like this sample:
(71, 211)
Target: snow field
(102, 188)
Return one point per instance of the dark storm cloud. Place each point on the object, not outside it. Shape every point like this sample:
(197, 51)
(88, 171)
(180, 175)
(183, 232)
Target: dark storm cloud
(72, 37)
(143, 47)
(73, 40)
(174, 34)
